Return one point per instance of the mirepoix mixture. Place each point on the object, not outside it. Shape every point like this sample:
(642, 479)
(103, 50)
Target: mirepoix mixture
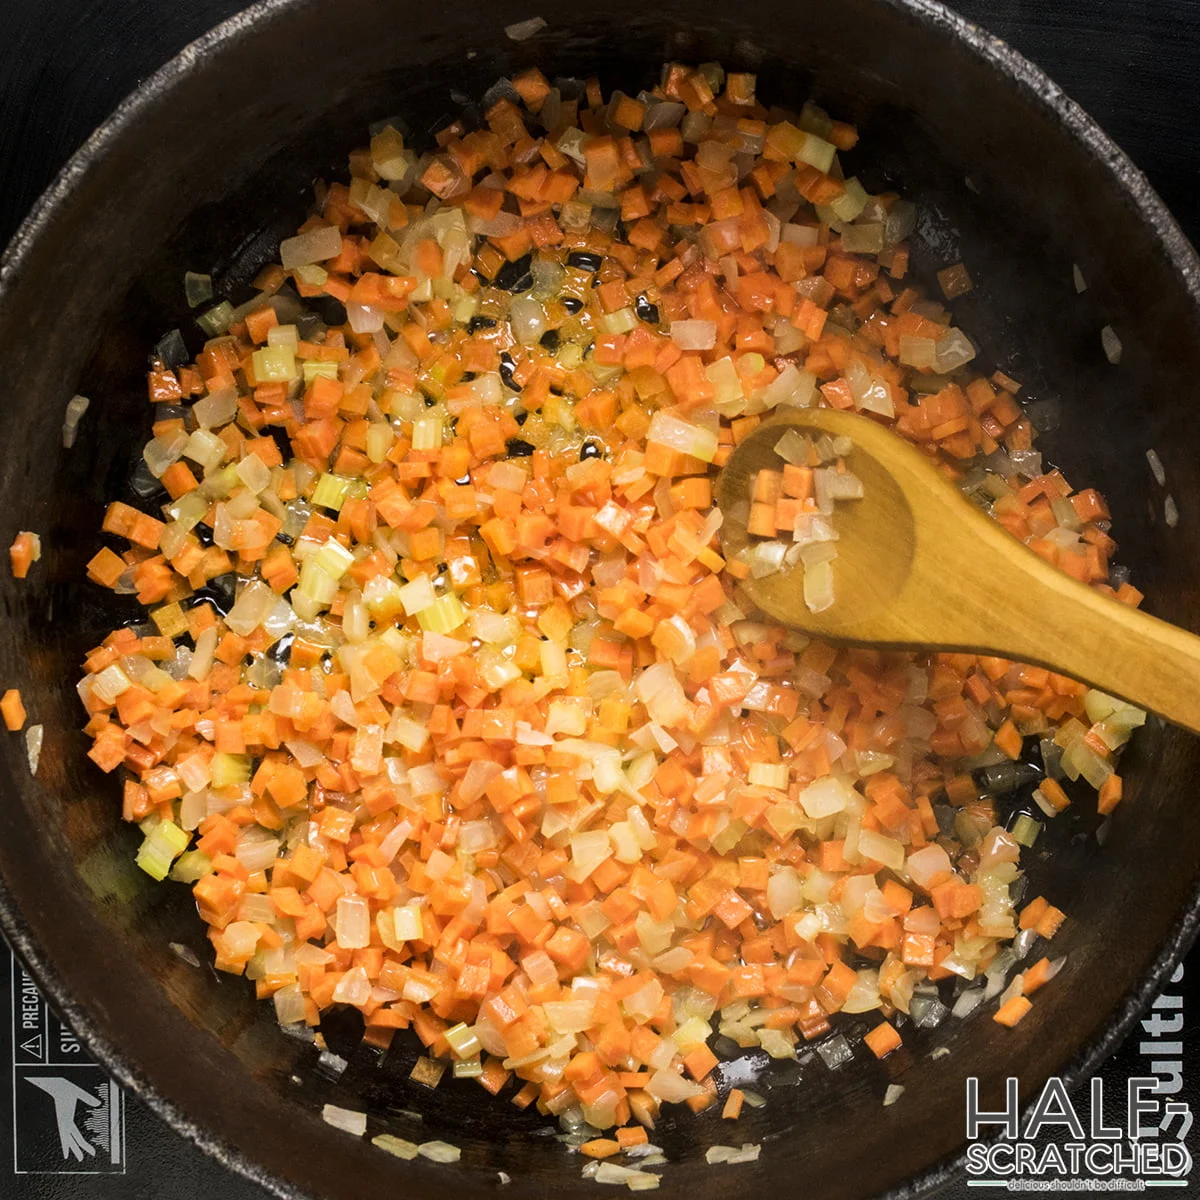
(448, 706)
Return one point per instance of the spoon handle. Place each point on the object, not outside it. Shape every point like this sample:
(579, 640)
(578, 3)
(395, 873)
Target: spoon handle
(1077, 631)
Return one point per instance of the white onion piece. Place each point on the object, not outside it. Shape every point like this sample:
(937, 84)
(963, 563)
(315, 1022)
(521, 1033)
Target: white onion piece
(33, 746)
(522, 31)
(76, 407)
(353, 923)
(528, 320)
(440, 1152)
(317, 245)
(217, 408)
(345, 1119)
(694, 335)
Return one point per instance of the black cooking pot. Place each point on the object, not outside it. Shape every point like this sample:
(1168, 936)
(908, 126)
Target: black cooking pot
(205, 168)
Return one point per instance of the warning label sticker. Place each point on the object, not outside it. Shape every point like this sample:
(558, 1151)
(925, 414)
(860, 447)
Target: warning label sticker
(68, 1116)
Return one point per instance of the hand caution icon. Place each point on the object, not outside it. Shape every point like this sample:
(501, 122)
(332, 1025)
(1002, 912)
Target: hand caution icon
(67, 1097)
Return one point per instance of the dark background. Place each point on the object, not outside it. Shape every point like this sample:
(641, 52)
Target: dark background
(65, 64)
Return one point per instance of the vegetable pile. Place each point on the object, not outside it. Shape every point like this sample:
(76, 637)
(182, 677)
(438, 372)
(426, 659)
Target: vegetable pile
(450, 708)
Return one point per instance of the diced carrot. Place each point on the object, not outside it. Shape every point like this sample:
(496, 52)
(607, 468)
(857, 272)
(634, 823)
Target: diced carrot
(882, 1040)
(12, 710)
(24, 552)
(1012, 1011)
(600, 1148)
(569, 947)
(1049, 923)
(1110, 794)
(1009, 740)
(1034, 977)
(1054, 793)
(700, 1062)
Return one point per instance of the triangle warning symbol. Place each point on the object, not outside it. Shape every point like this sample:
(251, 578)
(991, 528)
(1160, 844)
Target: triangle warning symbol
(33, 1045)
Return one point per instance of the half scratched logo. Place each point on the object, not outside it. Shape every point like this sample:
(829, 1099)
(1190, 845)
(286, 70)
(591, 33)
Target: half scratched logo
(68, 1116)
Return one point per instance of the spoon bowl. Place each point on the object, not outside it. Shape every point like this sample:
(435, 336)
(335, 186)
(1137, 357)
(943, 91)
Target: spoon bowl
(868, 579)
(919, 566)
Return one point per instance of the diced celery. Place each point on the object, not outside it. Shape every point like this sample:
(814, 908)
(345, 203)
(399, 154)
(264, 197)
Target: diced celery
(331, 491)
(217, 319)
(190, 866)
(427, 433)
(333, 558)
(274, 364)
(816, 152)
(319, 370)
(462, 1040)
(417, 595)
(851, 202)
(772, 775)
(229, 769)
(311, 274)
(621, 321)
(154, 864)
(283, 335)
(315, 583)
(443, 615)
(160, 849)
(1026, 829)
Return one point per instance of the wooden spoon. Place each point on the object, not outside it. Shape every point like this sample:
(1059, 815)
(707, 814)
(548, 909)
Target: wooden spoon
(919, 566)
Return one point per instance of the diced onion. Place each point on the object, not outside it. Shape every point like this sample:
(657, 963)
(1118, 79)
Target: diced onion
(522, 31)
(678, 434)
(439, 1152)
(316, 246)
(33, 747)
(818, 587)
(694, 335)
(353, 923)
(345, 1118)
(76, 407)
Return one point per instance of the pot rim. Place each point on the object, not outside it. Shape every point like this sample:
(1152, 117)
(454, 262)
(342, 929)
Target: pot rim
(995, 53)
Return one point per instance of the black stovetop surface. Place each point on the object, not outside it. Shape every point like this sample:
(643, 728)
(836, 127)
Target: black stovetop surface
(64, 65)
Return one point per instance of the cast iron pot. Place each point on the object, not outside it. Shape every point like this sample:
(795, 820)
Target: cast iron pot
(205, 168)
